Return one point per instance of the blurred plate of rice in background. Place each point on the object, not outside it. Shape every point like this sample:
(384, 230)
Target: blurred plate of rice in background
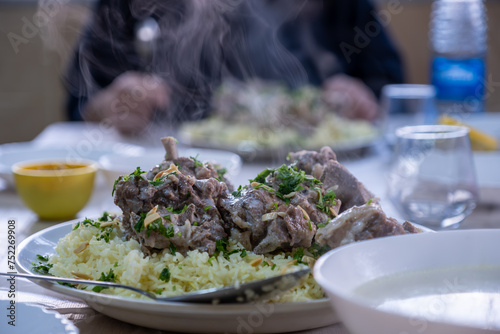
(264, 121)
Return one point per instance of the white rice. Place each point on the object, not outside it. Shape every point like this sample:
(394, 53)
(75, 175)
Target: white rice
(193, 272)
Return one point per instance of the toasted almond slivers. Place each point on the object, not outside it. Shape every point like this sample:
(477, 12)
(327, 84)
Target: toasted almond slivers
(81, 248)
(284, 270)
(171, 169)
(269, 262)
(254, 184)
(269, 216)
(151, 218)
(153, 210)
(292, 263)
(256, 262)
(332, 211)
(81, 275)
(159, 174)
(106, 224)
(306, 216)
(281, 214)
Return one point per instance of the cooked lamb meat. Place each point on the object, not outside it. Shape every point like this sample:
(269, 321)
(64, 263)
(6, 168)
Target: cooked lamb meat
(325, 167)
(179, 201)
(183, 204)
(182, 230)
(264, 223)
(280, 210)
(347, 188)
(313, 162)
(363, 222)
(188, 166)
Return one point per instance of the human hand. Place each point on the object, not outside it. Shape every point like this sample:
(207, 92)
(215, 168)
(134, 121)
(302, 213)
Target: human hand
(129, 102)
(351, 97)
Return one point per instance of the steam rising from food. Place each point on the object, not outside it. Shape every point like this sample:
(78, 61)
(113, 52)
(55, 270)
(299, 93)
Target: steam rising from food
(201, 42)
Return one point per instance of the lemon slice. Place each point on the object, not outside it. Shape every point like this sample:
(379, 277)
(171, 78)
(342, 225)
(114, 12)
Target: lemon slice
(480, 141)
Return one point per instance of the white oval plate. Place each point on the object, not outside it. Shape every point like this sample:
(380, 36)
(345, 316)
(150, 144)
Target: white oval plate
(28, 318)
(181, 317)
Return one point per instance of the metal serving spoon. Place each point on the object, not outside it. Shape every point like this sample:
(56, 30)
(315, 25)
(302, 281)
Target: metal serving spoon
(243, 293)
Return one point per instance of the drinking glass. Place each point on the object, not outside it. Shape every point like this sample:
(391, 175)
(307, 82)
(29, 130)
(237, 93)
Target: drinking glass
(407, 104)
(431, 178)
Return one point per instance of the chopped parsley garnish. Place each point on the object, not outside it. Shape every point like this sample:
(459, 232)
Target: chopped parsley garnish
(139, 226)
(221, 172)
(207, 208)
(221, 245)
(196, 224)
(167, 217)
(42, 258)
(221, 248)
(158, 182)
(274, 266)
(105, 217)
(41, 268)
(109, 277)
(261, 178)
(177, 212)
(369, 201)
(114, 185)
(197, 163)
(298, 255)
(291, 179)
(137, 172)
(237, 193)
(90, 222)
(325, 201)
(172, 248)
(105, 234)
(157, 226)
(275, 206)
(165, 275)
(310, 226)
(316, 250)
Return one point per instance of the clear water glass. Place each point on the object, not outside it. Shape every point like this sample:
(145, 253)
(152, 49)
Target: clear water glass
(432, 180)
(407, 104)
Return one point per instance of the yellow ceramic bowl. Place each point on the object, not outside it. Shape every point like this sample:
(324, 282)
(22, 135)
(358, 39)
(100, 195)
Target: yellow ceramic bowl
(55, 189)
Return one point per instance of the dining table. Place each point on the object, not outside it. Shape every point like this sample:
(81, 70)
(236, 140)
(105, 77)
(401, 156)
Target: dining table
(368, 165)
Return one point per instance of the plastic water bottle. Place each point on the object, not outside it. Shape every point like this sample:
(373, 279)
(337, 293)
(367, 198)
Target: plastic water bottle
(459, 44)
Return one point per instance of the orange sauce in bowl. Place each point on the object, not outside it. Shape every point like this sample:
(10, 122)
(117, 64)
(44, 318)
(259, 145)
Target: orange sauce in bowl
(54, 166)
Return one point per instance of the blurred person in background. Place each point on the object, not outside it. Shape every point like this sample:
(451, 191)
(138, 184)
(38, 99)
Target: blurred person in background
(338, 45)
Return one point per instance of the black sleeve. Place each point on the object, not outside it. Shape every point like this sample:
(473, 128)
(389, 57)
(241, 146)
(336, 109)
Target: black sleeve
(361, 43)
(104, 51)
